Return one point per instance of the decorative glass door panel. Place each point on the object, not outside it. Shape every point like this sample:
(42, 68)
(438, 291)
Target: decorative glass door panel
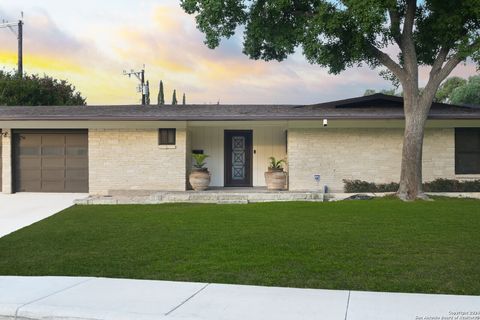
(238, 158)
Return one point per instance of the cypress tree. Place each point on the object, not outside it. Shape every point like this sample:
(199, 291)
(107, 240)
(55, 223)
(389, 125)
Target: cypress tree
(161, 96)
(147, 98)
(184, 100)
(174, 98)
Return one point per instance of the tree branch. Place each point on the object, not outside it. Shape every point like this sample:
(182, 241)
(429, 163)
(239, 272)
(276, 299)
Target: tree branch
(409, 19)
(449, 66)
(439, 60)
(395, 25)
(408, 45)
(438, 75)
(388, 62)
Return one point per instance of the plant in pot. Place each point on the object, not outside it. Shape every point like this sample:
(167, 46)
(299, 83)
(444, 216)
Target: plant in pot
(200, 177)
(275, 177)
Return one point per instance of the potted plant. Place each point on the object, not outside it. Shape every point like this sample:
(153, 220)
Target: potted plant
(275, 177)
(200, 177)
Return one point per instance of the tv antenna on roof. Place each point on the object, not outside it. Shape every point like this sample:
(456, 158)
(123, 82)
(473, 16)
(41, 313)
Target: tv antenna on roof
(17, 29)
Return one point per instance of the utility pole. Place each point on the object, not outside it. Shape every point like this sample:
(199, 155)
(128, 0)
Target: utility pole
(142, 88)
(19, 34)
(20, 47)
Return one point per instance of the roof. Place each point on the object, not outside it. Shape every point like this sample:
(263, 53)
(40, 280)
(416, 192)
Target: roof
(377, 106)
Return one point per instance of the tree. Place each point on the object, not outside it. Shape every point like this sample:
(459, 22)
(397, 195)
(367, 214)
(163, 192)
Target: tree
(161, 96)
(147, 96)
(33, 90)
(469, 93)
(390, 92)
(184, 100)
(344, 33)
(369, 92)
(174, 97)
(446, 88)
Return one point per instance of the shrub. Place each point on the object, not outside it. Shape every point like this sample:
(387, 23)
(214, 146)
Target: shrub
(437, 185)
(448, 185)
(353, 186)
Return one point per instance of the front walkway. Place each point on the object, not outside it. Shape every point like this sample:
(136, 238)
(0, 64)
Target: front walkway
(118, 299)
(19, 210)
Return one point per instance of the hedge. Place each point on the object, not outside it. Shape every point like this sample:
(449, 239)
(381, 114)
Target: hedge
(437, 185)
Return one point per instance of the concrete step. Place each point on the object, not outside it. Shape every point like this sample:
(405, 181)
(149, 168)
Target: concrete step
(220, 197)
(232, 202)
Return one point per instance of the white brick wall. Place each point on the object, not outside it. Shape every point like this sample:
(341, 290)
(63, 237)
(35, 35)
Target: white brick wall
(131, 159)
(6, 161)
(373, 155)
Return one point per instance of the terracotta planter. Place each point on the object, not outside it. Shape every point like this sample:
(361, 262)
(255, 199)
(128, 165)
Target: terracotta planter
(199, 179)
(276, 179)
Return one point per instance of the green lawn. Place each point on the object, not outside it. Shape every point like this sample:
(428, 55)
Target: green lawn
(380, 245)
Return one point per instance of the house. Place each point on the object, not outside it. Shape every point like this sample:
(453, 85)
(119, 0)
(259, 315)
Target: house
(98, 149)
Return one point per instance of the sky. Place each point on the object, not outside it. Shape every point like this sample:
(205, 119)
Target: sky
(90, 43)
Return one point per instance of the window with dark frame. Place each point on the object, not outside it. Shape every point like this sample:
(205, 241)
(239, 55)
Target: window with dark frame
(167, 137)
(467, 150)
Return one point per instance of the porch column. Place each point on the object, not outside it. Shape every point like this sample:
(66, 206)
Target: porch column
(6, 160)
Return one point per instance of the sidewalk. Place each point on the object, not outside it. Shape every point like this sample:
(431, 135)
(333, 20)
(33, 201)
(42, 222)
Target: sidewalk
(119, 299)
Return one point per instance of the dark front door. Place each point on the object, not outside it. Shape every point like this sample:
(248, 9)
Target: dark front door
(238, 158)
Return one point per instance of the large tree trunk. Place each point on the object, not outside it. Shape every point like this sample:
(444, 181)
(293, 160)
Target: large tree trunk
(416, 110)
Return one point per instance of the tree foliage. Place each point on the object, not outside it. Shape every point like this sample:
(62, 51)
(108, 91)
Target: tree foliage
(445, 90)
(454, 90)
(161, 95)
(469, 93)
(340, 34)
(391, 92)
(174, 97)
(33, 90)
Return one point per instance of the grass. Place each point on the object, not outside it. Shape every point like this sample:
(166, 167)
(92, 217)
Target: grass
(380, 245)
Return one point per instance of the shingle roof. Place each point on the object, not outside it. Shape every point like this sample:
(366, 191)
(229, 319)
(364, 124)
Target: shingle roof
(377, 106)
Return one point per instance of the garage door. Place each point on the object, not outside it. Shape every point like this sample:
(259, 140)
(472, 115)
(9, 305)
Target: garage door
(51, 161)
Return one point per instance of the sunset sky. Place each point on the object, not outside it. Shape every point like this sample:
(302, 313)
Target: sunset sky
(90, 43)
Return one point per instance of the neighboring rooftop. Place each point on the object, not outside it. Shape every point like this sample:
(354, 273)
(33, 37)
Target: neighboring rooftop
(376, 106)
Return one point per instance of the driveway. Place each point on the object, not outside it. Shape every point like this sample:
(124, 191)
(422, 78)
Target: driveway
(22, 209)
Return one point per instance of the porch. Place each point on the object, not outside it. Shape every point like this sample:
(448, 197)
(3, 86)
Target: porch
(219, 195)
(238, 152)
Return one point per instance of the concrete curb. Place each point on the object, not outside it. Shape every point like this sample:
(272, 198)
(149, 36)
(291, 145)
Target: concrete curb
(108, 299)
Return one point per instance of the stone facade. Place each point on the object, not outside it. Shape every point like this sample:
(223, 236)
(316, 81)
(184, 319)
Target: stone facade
(6, 167)
(131, 159)
(372, 155)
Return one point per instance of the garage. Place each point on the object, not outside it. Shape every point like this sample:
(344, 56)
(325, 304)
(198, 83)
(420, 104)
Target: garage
(50, 160)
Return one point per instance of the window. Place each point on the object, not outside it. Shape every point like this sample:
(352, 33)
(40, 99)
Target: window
(166, 136)
(467, 150)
